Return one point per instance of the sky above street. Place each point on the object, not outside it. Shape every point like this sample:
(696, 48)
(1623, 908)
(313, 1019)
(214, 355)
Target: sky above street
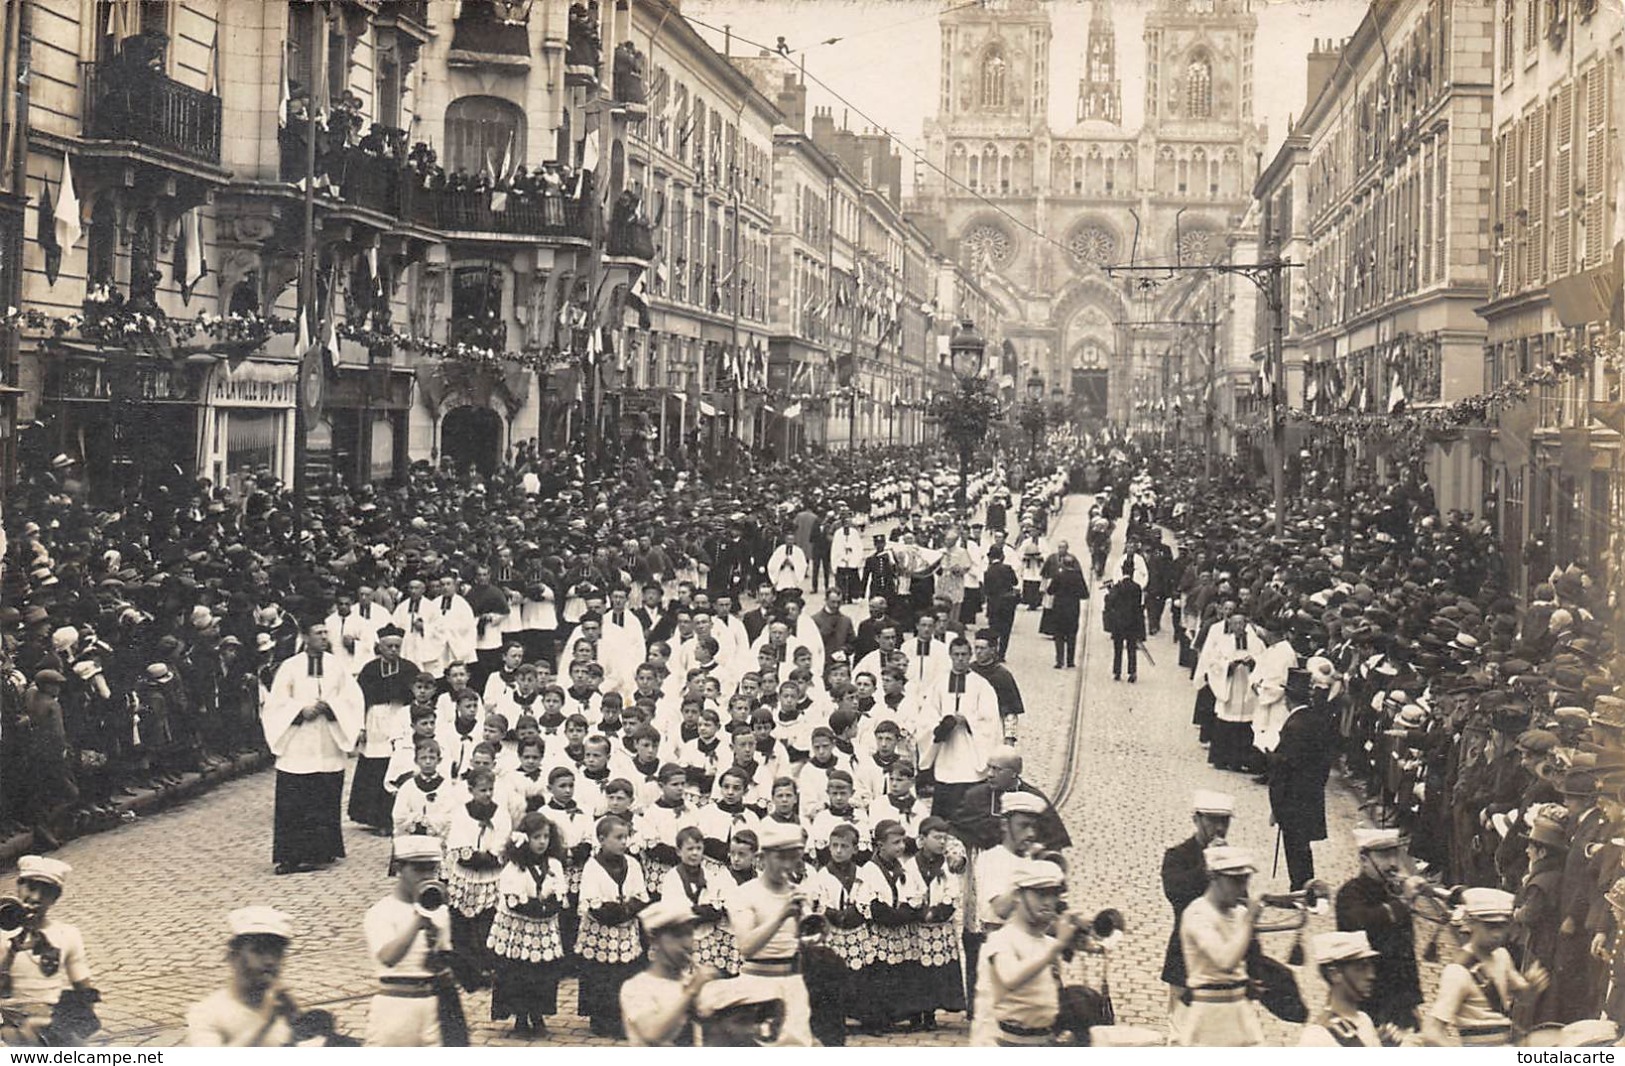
(884, 54)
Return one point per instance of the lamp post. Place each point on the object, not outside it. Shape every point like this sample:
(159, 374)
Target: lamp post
(967, 413)
(1032, 415)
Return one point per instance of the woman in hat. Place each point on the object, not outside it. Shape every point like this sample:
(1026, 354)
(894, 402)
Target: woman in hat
(1535, 909)
(254, 1010)
(1479, 991)
(45, 992)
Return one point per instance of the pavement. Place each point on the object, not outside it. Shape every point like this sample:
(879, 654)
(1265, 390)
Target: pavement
(150, 897)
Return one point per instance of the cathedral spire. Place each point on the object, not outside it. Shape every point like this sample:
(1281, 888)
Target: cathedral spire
(1099, 97)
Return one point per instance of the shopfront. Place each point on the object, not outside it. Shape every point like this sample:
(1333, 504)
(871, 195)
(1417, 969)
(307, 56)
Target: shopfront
(248, 421)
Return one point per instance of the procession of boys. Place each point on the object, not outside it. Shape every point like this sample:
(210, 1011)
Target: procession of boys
(742, 764)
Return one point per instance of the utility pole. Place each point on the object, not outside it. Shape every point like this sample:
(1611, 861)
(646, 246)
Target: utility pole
(1208, 395)
(317, 51)
(1273, 294)
(1268, 277)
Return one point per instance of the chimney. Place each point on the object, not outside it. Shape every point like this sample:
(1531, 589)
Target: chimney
(823, 128)
(792, 103)
(1322, 64)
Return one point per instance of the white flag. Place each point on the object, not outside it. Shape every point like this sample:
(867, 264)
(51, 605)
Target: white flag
(67, 209)
(192, 234)
(589, 152)
(284, 103)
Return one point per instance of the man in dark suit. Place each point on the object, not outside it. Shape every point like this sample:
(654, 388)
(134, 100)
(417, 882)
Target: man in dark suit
(977, 821)
(1000, 585)
(868, 638)
(1124, 617)
(880, 572)
(1299, 766)
(1184, 877)
(1378, 902)
(757, 618)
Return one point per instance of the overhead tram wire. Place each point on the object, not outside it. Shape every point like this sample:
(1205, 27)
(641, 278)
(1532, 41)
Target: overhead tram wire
(892, 26)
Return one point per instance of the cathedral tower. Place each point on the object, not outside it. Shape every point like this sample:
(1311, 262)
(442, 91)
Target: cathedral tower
(1099, 96)
(1199, 65)
(995, 66)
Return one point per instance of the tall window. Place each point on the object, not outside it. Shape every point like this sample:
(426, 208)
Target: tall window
(1199, 89)
(993, 72)
(479, 128)
(389, 87)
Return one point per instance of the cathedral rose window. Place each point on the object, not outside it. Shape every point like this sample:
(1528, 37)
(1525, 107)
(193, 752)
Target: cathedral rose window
(988, 243)
(1093, 245)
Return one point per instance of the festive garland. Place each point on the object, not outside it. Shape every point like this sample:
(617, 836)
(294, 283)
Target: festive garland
(109, 320)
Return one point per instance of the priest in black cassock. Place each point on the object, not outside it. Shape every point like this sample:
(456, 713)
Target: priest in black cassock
(386, 691)
(312, 715)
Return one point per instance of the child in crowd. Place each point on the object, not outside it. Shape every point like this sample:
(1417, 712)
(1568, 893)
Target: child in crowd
(525, 938)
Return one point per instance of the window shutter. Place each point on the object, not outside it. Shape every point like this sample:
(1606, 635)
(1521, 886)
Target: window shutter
(1596, 162)
(1520, 228)
(1535, 264)
(1562, 121)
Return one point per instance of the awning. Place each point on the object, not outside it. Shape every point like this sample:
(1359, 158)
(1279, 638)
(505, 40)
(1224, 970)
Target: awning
(1585, 297)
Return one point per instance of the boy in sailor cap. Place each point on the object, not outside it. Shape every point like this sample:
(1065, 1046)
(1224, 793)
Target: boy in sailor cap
(656, 1005)
(1348, 966)
(1215, 933)
(1184, 879)
(415, 1005)
(1017, 980)
(765, 914)
(45, 988)
(1477, 995)
(253, 1010)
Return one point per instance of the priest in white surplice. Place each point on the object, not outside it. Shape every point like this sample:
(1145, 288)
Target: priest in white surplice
(1269, 689)
(312, 715)
(959, 729)
(1228, 657)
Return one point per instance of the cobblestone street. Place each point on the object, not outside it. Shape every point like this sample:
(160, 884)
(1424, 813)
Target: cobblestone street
(151, 897)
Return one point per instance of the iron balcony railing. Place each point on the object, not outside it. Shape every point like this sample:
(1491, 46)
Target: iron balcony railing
(135, 103)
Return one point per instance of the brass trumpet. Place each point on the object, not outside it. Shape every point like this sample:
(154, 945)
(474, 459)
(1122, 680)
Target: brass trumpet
(1299, 903)
(14, 914)
(431, 898)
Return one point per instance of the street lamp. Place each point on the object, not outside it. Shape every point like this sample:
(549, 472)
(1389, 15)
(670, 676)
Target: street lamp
(1032, 414)
(966, 413)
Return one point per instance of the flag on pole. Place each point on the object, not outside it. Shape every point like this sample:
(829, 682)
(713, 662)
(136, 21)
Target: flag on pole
(589, 152)
(638, 298)
(284, 104)
(47, 235)
(212, 85)
(301, 341)
(190, 265)
(1396, 396)
(67, 208)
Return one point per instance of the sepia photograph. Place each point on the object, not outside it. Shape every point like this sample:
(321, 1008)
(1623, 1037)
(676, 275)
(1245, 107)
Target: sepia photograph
(584, 524)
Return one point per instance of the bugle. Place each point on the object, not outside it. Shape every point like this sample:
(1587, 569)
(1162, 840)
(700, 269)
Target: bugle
(14, 914)
(1298, 903)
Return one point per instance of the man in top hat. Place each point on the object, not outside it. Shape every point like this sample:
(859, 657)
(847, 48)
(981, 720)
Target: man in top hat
(1215, 935)
(1348, 966)
(1377, 902)
(765, 914)
(1578, 980)
(1479, 993)
(313, 713)
(1184, 879)
(44, 975)
(1299, 766)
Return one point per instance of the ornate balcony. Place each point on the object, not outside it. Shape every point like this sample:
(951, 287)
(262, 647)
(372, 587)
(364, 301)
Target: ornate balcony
(491, 33)
(583, 57)
(128, 100)
(472, 211)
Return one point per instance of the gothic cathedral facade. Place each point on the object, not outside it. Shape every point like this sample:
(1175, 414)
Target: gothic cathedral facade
(1170, 191)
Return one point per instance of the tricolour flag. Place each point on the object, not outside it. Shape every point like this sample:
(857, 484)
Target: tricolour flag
(67, 208)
